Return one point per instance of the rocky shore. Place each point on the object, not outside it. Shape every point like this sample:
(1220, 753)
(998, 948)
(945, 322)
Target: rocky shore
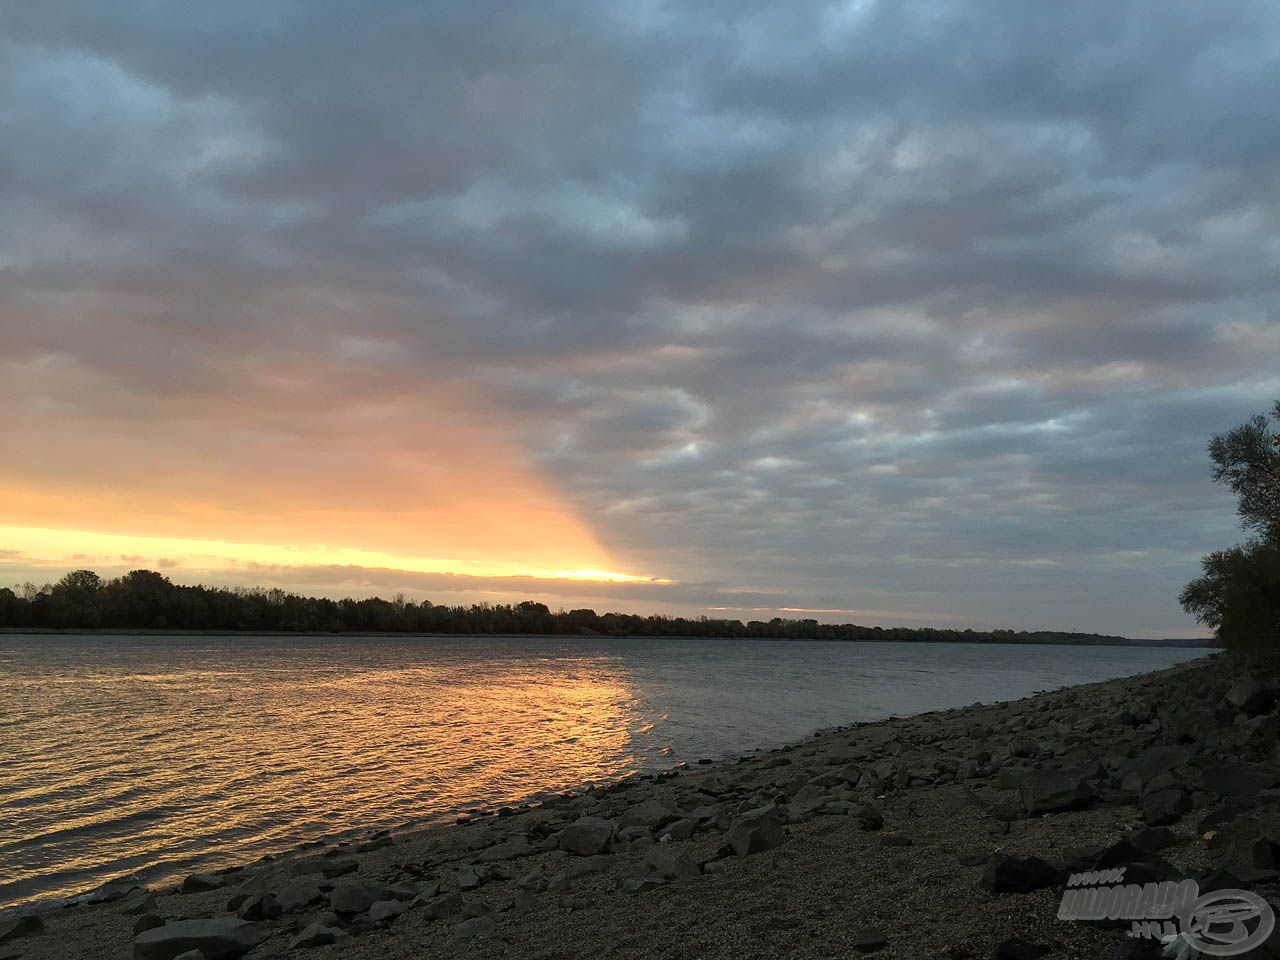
(945, 835)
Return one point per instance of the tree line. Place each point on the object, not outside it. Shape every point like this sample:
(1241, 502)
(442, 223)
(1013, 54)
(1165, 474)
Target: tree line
(147, 600)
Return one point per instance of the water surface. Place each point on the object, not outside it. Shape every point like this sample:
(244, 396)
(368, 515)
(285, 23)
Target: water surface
(158, 755)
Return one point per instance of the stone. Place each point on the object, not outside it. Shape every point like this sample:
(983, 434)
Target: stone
(1165, 806)
(138, 902)
(678, 829)
(1151, 839)
(756, 831)
(587, 836)
(299, 893)
(641, 884)
(1050, 791)
(349, 897)
(1250, 697)
(1006, 874)
(1237, 779)
(869, 817)
(202, 882)
(316, 935)
(18, 927)
(651, 813)
(223, 938)
(1157, 760)
(868, 941)
(673, 860)
(261, 906)
(445, 906)
(148, 921)
(476, 927)
(386, 910)
(510, 849)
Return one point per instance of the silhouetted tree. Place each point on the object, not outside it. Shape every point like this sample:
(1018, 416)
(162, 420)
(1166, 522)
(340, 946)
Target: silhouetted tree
(1238, 594)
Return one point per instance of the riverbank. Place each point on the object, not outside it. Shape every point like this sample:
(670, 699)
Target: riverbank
(901, 837)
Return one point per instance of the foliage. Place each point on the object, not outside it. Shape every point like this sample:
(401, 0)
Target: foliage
(1238, 594)
(146, 600)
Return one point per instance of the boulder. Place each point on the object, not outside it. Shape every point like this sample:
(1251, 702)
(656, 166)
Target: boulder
(651, 813)
(299, 893)
(756, 831)
(1237, 779)
(509, 849)
(147, 921)
(672, 860)
(138, 902)
(18, 927)
(476, 927)
(386, 910)
(1048, 791)
(1251, 697)
(1150, 763)
(869, 817)
(352, 896)
(1151, 839)
(1005, 874)
(587, 836)
(678, 830)
(201, 882)
(222, 938)
(1165, 806)
(261, 906)
(316, 935)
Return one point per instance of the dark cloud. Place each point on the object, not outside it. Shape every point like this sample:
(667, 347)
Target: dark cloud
(861, 305)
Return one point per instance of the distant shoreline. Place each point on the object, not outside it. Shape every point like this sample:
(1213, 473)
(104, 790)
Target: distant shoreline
(1184, 642)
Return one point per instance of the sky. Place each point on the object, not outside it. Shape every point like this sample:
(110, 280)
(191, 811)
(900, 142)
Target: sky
(910, 313)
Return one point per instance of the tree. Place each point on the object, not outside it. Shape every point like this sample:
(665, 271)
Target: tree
(1238, 594)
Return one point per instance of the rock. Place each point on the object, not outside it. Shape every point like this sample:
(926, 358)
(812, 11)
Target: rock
(678, 829)
(1157, 760)
(19, 927)
(299, 893)
(868, 941)
(1049, 791)
(650, 813)
(148, 921)
(587, 836)
(641, 884)
(349, 897)
(316, 935)
(1237, 779)
(673, 860)
(469, 879)
(386, 910)
(476, 927)
(1165, 806)
(223, 938)
(869, 817)
(1020, 950)
(973, 858)
(1250, 697)
(191, 955)
(201, 882)
(509, 849)
(1005, 874)
(446, 906)
(756, 831)
(261, 906)
(1151, 839)
(138, 902)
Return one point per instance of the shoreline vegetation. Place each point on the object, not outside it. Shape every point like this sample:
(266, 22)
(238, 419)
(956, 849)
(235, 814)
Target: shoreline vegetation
(949, 834)
(144, 601)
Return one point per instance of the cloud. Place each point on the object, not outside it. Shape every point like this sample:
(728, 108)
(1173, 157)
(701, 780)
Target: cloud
(853, 306)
